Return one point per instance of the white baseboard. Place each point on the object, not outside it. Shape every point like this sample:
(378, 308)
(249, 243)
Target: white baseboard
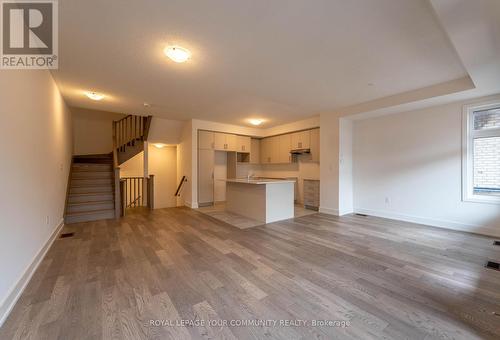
(329, 211)
(16, 291)
(191, 205)
(446, 224)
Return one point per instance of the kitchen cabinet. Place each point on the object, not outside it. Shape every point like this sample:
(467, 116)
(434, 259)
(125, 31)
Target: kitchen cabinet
(206, 161)
(255, 151)
(315, 145)
(285, 145)
(301, 140)
(243, 144)
(265, 150)
(206, 140)
(224, 141)
(311, 194)
(269, 150)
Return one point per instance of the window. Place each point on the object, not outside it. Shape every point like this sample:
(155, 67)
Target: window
(481, 153)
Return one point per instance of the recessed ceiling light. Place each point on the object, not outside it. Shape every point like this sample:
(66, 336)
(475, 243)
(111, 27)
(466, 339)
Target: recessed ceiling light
(256, 121)
(177, 53)
(160, 145)
(94, 95)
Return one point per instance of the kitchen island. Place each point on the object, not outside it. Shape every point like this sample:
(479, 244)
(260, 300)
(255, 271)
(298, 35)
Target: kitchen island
(261, 199)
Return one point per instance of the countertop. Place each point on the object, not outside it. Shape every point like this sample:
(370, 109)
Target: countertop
(258, 180)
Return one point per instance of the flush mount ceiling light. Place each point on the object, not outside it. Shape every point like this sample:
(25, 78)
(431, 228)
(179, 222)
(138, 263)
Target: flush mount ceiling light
(160, 145)
(94, 95)
(177, 53)
(256, 122)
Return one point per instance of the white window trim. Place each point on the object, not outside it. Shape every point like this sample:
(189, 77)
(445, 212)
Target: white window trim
(467, 152)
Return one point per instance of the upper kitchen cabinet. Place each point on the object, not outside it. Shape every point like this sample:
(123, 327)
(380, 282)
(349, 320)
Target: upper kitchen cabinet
(265, 150)
(285, 145)
(205, 140)
(315, 145)
(270, 150)
(255, 151)
(243, 144)
(224, 141)
(301, 140)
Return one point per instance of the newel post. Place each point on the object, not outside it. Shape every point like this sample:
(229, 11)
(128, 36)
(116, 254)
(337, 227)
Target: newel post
(151, 192)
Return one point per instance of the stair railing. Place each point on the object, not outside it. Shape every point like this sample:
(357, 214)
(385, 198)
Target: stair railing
(130, 129)
(180, 186)
(126, 132)
(116, 176)
(136, 192)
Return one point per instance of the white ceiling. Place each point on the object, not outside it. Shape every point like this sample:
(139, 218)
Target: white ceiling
(281, 60)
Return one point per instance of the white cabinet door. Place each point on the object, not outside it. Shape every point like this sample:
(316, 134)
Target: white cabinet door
(220, 141)
(205, 177)
(285, 145)
(255, 151)
(231, 142)
(315, 145)
(243, 144)
(301, 140)
(220, 174)
(206, 140)
(224, 141)
(265, 150)
(275, 149)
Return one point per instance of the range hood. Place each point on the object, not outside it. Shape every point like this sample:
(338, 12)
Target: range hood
(300, 151)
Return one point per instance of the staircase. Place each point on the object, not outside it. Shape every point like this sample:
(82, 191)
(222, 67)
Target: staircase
(91, 194)
(94, 183)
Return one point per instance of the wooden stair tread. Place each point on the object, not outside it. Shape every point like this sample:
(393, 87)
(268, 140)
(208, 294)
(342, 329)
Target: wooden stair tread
(93, 212)
(91, 202)
(85, 169)
(91, 191)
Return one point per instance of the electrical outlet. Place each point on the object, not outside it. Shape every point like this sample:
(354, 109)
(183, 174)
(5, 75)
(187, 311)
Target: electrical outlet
(47, 220)
(387, 200)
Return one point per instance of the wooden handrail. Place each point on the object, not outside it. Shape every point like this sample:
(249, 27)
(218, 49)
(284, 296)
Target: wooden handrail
(179, 187)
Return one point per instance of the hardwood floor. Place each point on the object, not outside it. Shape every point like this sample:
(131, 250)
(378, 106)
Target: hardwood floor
(381, 278)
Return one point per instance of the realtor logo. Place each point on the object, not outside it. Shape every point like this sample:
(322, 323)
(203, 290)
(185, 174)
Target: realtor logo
(29, 34)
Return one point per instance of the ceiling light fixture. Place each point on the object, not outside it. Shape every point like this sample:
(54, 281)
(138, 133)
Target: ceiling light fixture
(160, 145)
(256, 122)
(94, 95)
(177, 53)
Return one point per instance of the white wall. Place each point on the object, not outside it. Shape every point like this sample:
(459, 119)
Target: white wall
(414, 160)
(35, 149)
(185, 166)
(329, 165)
(165, 131)
(163, 164)
(93, 131)
(346, 199)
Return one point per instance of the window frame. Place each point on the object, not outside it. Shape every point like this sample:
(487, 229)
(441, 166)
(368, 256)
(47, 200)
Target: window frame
(468, 135)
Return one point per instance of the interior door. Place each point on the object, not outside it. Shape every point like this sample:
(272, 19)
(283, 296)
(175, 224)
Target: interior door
(205, 177)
